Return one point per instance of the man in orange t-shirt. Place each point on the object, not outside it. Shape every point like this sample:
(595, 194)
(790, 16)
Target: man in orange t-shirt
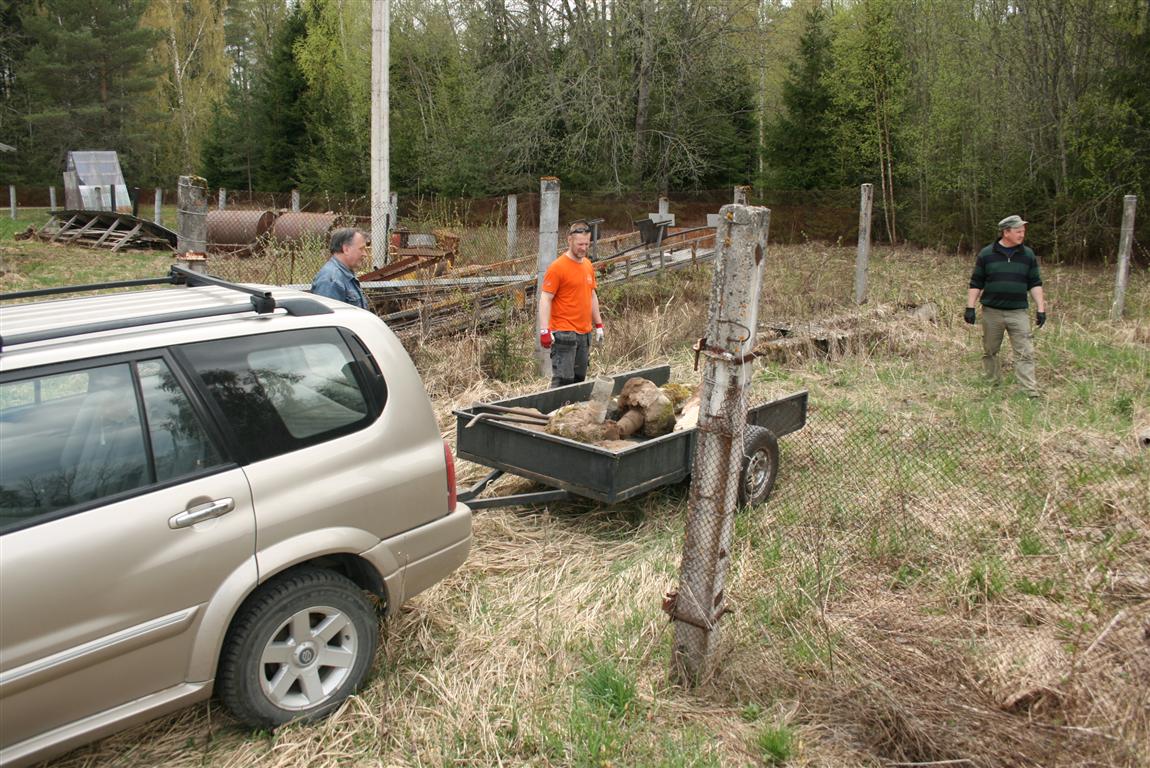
(569, 308)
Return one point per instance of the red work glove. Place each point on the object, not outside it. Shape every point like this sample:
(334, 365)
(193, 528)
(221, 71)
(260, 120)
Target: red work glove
(545, 338)
(598, 333)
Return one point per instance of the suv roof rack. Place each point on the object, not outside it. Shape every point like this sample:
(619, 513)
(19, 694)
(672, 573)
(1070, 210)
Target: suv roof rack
(262, 303)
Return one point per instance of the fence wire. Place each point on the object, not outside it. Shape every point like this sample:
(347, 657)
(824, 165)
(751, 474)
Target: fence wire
(913, 492)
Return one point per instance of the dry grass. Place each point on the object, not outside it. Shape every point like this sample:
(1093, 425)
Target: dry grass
(926, 621)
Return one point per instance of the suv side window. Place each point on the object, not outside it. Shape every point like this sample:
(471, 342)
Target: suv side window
(283, 391)
(180, 445)
(74, 438)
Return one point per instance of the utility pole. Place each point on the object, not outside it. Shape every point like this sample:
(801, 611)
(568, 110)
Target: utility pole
(380, 131)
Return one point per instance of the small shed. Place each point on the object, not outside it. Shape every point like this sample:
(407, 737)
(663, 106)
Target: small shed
(93, 181)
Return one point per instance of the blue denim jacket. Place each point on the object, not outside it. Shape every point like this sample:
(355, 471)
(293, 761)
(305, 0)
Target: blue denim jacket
(336, 281)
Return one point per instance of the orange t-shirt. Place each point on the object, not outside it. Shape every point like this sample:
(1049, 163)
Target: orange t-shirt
(572, 283)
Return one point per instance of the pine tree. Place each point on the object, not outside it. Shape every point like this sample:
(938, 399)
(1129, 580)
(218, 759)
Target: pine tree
(800, 149)
(279, 121)
(86, 73)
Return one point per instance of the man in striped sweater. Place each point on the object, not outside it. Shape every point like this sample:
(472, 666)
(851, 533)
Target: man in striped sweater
(1005, 272)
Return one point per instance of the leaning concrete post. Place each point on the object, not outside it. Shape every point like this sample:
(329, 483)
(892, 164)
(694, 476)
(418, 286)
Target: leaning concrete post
(192, 223)
(512, 225)
(741, 244)
(52, 198)
(548, 250)
(12, 199)
(742, 195)
(1125, 244)
(158, 207)
(862, 259)
(295, 201)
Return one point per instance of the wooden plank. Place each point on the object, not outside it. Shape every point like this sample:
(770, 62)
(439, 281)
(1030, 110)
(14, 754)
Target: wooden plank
(104, 237)
(127, 237)
(73, 235)
(63, 228)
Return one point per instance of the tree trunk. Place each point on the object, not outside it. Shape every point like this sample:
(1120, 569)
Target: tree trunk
(642, 96)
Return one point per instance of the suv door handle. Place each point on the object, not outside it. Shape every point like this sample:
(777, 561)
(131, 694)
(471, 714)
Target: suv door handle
(202, 512)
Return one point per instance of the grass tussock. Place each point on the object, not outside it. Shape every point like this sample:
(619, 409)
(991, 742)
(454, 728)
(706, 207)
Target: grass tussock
(948, 573)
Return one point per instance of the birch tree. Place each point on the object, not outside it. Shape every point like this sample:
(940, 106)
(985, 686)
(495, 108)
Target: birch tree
(194, 68)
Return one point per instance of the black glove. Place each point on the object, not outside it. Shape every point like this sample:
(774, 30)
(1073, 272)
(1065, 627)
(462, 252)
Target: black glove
(1040, 319)
(968, 315)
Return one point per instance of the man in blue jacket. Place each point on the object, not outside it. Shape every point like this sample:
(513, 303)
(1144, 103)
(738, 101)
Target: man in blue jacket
(1004, 273)
(336, 278)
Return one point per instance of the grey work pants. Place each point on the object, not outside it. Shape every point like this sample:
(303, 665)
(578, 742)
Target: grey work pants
(570, 352)
(1016, 323)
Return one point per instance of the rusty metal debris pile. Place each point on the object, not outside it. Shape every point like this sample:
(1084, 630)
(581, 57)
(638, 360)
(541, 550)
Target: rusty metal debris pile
(476, 295)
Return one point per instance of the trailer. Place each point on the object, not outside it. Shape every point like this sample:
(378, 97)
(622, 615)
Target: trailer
(572, 469)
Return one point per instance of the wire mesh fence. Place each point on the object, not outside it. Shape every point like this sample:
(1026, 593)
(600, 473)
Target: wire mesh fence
(913, 570)
(915, 483)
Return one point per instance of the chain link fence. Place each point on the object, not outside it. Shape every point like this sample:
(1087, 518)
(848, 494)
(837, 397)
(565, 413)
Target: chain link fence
(945, 589)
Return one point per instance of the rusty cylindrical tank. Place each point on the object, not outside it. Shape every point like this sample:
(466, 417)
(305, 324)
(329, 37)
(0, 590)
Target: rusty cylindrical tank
(292, 227)
(232, 230)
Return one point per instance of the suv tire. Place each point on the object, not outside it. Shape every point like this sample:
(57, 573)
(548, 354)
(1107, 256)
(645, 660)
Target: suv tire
(299, 646)
(760, 466)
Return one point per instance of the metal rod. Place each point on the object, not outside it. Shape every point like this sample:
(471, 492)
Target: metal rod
(504, 418)
(520, 499)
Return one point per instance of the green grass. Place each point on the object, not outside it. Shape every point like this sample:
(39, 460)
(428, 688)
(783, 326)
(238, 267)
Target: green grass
(10, 227)
(775, 744)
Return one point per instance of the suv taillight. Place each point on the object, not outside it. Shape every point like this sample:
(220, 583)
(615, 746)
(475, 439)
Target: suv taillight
(451, 491)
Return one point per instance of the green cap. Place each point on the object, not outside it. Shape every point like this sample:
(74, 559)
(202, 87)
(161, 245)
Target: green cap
(1011, 222)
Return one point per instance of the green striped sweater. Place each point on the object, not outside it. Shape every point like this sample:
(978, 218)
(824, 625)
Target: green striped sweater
(1005, 276)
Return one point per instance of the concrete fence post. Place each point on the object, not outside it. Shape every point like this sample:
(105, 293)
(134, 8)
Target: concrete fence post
(112, 197)
(52, 198)
(548, 250)
(295, 201)
(12, 199)
(862, 258)
(1125, 245)
(512, 225)
(742, 194)
(664, 205)
(393, 211)
(223, 203)
(99, 193)
(732, 317)
(192, 221)
(158, 207)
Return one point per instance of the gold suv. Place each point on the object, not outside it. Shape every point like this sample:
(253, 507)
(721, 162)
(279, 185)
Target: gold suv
(205, 488)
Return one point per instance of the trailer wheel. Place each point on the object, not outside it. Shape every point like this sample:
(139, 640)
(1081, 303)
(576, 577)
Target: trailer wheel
(760, 466)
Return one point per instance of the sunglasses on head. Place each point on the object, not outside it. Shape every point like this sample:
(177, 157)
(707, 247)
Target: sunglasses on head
(579, 231)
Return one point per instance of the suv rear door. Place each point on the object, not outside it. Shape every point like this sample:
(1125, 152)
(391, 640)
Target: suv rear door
(120, 517)
(325, 446)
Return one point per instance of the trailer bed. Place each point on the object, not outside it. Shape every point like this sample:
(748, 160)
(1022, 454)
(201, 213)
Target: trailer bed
(592, 471)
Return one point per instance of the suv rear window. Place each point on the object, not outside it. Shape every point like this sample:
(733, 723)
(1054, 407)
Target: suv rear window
(69, 439)
(283, 391)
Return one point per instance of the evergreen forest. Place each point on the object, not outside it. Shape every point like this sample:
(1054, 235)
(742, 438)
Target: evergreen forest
(958, 111)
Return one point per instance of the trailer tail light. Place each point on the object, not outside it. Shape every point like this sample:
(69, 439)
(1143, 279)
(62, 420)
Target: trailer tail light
(451, 490)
